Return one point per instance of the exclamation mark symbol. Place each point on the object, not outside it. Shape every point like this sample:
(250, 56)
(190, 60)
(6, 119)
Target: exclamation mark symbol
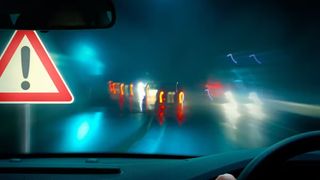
(25, 61)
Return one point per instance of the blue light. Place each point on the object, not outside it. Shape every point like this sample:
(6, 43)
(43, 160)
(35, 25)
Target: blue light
(255, 58)
(86, 52)
(83, 130)
(233, 60)
(86, 55)
(208, 93)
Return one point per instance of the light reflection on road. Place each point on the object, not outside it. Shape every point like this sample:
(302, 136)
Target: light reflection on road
(98, 131)
(82, 130)
(206, 130)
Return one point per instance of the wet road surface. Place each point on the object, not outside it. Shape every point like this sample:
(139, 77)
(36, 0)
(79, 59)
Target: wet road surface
(204, 128)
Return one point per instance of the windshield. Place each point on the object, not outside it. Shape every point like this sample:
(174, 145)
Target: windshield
(170, 77)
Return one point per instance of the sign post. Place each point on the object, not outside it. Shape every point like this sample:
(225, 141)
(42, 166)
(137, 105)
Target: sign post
(28, 75)
(27, 128)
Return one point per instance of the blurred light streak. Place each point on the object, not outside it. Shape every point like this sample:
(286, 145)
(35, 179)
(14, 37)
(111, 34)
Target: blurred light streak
(208, 93)
(255, 58)
(141, 94)
(121, 89)
(151, 99)
(161, 97)
(180, 114)
(161, 112)
(251, 135)
(214, 85)
(110, 87)
(293, 107)
(152, 96)
(121, 101)
(147, 89)
(131, 90)
(215, 89)
(255, 108)
(231, 109)
(233, 60)
(114, 88)
(147, 96)
(181, 97)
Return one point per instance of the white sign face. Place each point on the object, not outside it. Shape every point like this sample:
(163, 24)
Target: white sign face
(27, 73)
(38, 77)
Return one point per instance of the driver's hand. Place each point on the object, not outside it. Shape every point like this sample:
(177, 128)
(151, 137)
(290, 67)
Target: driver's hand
(226, 177)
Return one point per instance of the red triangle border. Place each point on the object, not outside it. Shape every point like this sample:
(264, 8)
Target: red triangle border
(63, 96)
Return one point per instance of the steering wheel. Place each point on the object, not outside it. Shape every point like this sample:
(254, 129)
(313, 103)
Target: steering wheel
(263, 165)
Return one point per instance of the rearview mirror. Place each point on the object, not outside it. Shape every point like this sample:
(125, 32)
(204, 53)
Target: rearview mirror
(58, 14)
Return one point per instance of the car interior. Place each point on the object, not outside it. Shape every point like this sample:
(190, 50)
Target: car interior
(159, 89)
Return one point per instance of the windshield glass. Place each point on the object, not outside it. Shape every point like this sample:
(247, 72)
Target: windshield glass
(171, 77)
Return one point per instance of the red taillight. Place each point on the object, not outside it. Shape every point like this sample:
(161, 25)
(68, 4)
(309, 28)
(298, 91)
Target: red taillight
(114, 88)
(180, 113)
(110, 86)
(215, 88)
(161, 113)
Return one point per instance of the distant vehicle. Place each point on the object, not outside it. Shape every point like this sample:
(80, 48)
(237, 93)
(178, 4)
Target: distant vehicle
(170, 94)
(215, 91)
(170, 100)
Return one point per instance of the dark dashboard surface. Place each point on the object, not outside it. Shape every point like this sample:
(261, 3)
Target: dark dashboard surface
(206, 167)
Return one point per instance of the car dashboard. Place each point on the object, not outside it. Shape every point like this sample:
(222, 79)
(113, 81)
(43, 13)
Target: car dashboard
(204, 167)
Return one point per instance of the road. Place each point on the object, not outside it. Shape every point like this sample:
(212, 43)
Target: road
(206, 128)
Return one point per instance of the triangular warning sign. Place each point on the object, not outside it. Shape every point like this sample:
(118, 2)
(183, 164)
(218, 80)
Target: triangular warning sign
(28, 74)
